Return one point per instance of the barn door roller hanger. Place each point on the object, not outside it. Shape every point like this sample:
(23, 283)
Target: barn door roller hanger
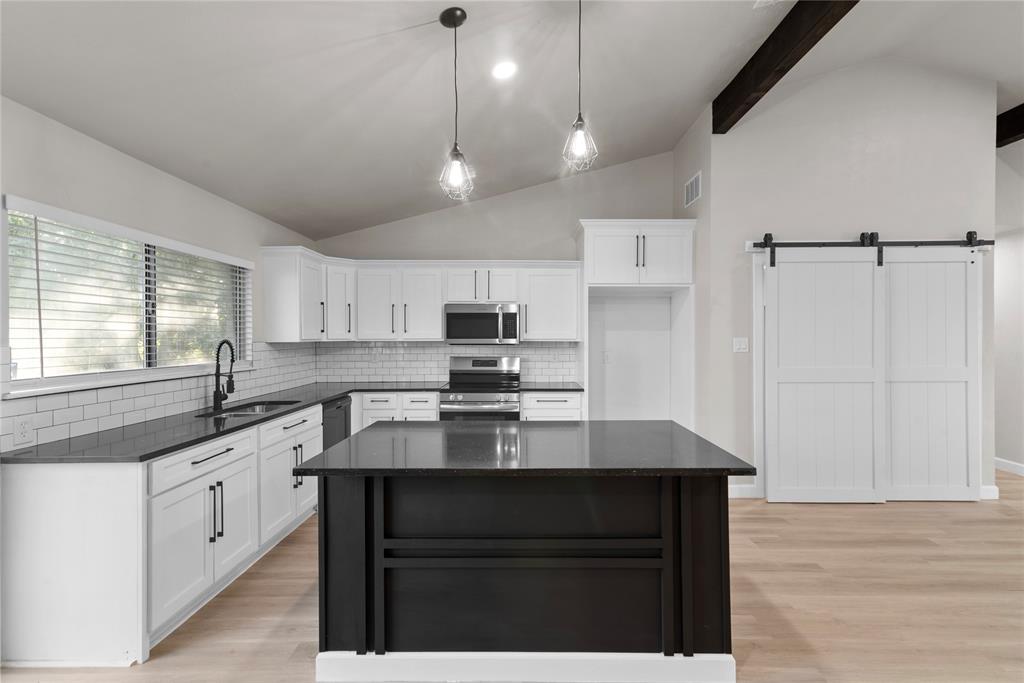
(870, 239)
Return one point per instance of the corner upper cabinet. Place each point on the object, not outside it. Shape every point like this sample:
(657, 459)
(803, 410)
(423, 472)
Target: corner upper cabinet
(549, 301)
(640, 252)
(295, 296)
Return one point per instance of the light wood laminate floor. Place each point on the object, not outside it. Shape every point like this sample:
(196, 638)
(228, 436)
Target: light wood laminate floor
(923, 592)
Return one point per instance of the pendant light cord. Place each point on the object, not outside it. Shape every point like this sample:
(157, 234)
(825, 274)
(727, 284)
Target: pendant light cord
(455, 69)
(579, 60)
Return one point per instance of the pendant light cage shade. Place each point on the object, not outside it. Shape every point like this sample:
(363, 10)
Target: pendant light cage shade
(456, 177)
(579, 151)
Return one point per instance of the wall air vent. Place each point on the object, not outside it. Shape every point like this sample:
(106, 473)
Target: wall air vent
(691, 192)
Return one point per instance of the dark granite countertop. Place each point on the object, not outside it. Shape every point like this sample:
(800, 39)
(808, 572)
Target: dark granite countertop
(588, 448)
(151, 439)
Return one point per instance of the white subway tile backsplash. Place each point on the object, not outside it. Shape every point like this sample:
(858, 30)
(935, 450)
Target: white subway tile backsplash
(275, 367)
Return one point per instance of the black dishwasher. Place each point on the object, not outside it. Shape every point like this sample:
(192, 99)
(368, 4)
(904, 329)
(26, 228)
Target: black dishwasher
(337, 421)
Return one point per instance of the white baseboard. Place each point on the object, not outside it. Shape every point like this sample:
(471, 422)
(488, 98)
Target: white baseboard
(63, 664)
(524, 667)
(744, 491)
(990, 492)
(1010, 466)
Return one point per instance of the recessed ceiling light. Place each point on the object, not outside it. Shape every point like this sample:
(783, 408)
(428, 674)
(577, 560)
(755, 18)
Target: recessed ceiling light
(503, 70)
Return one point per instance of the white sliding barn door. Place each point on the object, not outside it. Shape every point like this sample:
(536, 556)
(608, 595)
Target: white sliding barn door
(825, 376)
(934, 394)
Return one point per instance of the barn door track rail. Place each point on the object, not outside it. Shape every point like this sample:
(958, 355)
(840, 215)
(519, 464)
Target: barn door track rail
(870, 239)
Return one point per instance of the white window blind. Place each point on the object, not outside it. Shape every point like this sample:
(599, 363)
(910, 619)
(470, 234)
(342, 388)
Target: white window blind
(82, 301)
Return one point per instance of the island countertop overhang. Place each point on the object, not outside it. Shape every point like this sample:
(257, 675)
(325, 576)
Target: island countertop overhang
(627, 448)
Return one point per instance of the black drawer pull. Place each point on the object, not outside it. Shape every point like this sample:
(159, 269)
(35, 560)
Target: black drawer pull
(379, 400)
(297, 424)
(419, 400)
(213, 536)
(552, 400)
(211, 457)
(220, 486)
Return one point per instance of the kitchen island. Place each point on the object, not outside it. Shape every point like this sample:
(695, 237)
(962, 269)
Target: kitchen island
(554, 551)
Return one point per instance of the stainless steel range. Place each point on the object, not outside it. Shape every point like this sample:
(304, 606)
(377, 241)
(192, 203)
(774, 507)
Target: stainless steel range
(481, 389)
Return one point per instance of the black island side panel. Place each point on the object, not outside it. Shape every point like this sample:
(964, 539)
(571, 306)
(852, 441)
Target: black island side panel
(542, 564)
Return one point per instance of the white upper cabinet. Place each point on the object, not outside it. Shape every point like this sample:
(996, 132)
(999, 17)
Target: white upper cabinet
(341, 295)
(312, 303)
(472, 285)
(378, 296)
(549, 304)
(641, 252)
(422, 304)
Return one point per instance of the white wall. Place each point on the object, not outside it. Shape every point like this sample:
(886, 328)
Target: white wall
(880, 146)
(537, 222)
(1009, 303)
(48, 162)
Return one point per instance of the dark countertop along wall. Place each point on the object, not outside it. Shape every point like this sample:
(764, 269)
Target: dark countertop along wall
(147, 440)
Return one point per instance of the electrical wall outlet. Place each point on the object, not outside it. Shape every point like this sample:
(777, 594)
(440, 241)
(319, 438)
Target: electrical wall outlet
(24, 431)
(740, 345)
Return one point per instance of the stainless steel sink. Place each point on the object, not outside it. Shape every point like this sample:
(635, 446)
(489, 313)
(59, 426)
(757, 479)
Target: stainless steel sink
(248, 409)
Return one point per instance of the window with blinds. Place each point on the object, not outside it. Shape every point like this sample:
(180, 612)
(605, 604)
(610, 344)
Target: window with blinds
(85, 302)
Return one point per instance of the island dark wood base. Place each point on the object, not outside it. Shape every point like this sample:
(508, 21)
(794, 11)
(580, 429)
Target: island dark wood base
(625, 564)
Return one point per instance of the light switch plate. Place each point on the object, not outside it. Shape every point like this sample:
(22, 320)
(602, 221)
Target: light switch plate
(740, 345)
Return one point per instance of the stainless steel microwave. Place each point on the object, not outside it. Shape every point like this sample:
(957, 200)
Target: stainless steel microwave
(481, 323)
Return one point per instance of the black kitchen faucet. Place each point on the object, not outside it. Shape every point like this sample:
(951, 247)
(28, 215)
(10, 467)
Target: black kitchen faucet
(220, 394)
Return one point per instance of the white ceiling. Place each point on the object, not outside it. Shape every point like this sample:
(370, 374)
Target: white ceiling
(331, 117)
(328, 117)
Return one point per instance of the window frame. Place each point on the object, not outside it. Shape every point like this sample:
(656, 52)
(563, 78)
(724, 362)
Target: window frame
(12, 388)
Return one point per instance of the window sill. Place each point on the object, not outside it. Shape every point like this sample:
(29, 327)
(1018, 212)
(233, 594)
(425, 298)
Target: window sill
(59, 385)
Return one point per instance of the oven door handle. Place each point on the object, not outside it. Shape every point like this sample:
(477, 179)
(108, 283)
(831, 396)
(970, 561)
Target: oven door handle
(479, 407)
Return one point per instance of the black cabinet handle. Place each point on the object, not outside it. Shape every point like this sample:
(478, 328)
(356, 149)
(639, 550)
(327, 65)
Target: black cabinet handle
(488, 285)
(349, 317)
(211, 457)
(392, 318)
(644, 262)
(526, 319)
(295, 454)
(418, 400)
(378, 400)
(405, 317)
(220, 486)
(474, 285)
(323, 318)
(302, 422)
(299, 463)
(637, 251)
(552, 400)
(213, 536)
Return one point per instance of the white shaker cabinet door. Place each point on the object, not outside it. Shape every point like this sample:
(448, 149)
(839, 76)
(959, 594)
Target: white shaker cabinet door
(310, 445)
(550, 304)
(237, 515)
(613, 256)
(462, 285)
(340, 299)
(277, 500)
(501, 284)
(422, 304)
(666, 256)
(377, 298)
(181, 548)
(312, 313)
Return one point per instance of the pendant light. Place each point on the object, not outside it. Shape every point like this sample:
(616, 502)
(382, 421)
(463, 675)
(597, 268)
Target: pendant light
(456, 177)
(579, 151)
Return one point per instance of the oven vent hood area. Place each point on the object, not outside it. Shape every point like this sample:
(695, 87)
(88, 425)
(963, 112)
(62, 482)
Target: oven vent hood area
(479, 324)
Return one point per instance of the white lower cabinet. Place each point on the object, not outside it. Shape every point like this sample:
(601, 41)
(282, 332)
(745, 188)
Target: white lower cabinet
(551, 405)
(200, 532)
(277, 500)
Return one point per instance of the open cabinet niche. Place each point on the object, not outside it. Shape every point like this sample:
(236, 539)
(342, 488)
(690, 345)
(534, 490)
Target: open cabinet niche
(640, 354)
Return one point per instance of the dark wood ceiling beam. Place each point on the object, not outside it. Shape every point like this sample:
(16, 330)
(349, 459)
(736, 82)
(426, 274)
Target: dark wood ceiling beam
(1010, 126)
(800, 30)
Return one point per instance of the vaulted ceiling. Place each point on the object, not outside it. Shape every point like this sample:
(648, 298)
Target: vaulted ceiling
(328, 117)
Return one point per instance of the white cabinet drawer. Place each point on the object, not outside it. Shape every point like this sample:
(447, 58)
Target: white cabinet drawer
(374, 415)
(548, 400)
(422, 401)
(186, 465)
(380, 401)
(290, 425)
